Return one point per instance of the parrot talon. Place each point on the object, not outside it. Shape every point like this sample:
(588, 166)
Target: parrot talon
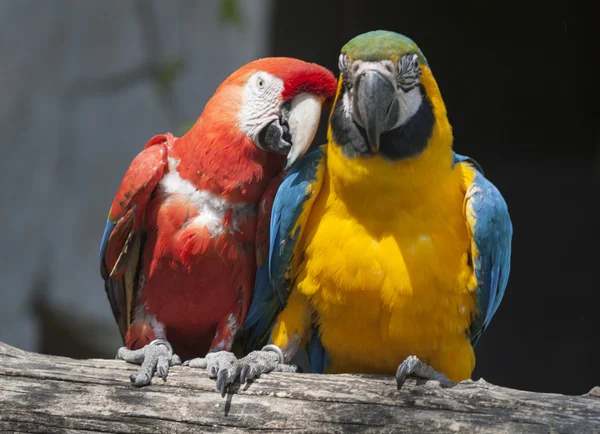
(244, 373)
(222, 378)
(226, 368)
(269, 359)
(157, 357)
(222, 365)
(412, 366)
(162, 372)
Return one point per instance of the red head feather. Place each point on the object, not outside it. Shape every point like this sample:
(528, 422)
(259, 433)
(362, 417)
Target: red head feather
(297, 76)
(217, 155)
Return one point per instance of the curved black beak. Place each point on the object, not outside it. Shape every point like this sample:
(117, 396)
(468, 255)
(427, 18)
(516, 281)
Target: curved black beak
(376, 107)
(275, 137)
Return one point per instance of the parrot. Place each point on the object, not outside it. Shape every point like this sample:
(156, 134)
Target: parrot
(389, 253)
(179, 250)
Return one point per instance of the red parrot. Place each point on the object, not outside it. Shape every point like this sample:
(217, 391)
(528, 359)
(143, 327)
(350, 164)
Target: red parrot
(178, 255)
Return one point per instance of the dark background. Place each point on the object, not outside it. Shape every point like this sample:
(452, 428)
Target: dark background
(521, 97)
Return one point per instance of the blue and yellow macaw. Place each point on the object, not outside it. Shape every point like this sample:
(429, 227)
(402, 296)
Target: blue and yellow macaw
(389, 253)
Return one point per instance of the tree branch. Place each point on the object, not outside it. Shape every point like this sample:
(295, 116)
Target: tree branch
(40, 393)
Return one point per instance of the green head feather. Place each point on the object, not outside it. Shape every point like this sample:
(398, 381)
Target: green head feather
(381, 45)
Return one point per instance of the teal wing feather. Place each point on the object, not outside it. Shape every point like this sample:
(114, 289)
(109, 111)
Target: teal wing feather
(491, 230)
(291, 208)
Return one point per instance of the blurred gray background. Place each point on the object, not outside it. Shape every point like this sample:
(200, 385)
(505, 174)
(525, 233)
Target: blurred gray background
(85, 83)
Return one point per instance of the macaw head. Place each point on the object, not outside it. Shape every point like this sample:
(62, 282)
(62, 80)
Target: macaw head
(387, 101)
(274, 102)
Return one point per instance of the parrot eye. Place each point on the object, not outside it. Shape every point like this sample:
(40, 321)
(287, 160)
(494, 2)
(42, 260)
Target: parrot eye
(260, 83)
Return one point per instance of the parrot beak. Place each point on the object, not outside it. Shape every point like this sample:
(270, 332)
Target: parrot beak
(303, 121)
(376, 107)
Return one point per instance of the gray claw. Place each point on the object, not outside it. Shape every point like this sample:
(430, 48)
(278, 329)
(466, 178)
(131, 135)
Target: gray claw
(222, 365)
(412, 366)
(401, 375)
(222, 381)
(162, 372)
(162, 366)
(263, 362)
(225, 367)
(244, 373)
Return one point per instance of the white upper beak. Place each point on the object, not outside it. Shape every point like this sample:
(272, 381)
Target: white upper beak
(303, 121)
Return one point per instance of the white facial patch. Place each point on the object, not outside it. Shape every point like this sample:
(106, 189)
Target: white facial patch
(260, 103)
(408, 77)
(385, 68)
(405, 79)
(211, 208)
(409, 104)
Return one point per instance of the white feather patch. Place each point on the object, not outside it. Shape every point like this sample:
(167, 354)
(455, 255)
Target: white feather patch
(211, 208)
(142, 316)
(260, 105)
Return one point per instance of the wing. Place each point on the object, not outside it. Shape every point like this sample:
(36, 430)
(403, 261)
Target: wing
(290, 211)
(123, 238)
(491, 234)
(264, 306)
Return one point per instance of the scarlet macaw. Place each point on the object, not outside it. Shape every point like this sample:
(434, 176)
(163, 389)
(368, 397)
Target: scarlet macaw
(178, 254)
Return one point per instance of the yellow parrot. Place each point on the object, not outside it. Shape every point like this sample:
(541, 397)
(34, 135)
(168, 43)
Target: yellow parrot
(389, 253)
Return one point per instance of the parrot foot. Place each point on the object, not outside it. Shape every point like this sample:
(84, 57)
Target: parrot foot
(412, 366)
(222, 365)
(225, 367)
(157, 356)
(269, 359)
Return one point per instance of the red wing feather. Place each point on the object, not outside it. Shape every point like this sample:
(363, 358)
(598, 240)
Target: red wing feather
(124, 234)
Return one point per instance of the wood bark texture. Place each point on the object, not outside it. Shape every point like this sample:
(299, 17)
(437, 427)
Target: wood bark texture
(40, 393)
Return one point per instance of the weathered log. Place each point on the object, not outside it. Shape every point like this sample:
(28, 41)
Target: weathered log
(40, 393)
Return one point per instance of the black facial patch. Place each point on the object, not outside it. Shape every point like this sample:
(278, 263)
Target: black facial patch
(345, 132)
(408, 140)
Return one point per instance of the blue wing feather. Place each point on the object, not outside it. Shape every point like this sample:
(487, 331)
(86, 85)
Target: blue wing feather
(458, 158)
(112, 291)
(295, 190)
(319, 360)
(262, 313)
(107, 231)
(491, 230)
(272, 284)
